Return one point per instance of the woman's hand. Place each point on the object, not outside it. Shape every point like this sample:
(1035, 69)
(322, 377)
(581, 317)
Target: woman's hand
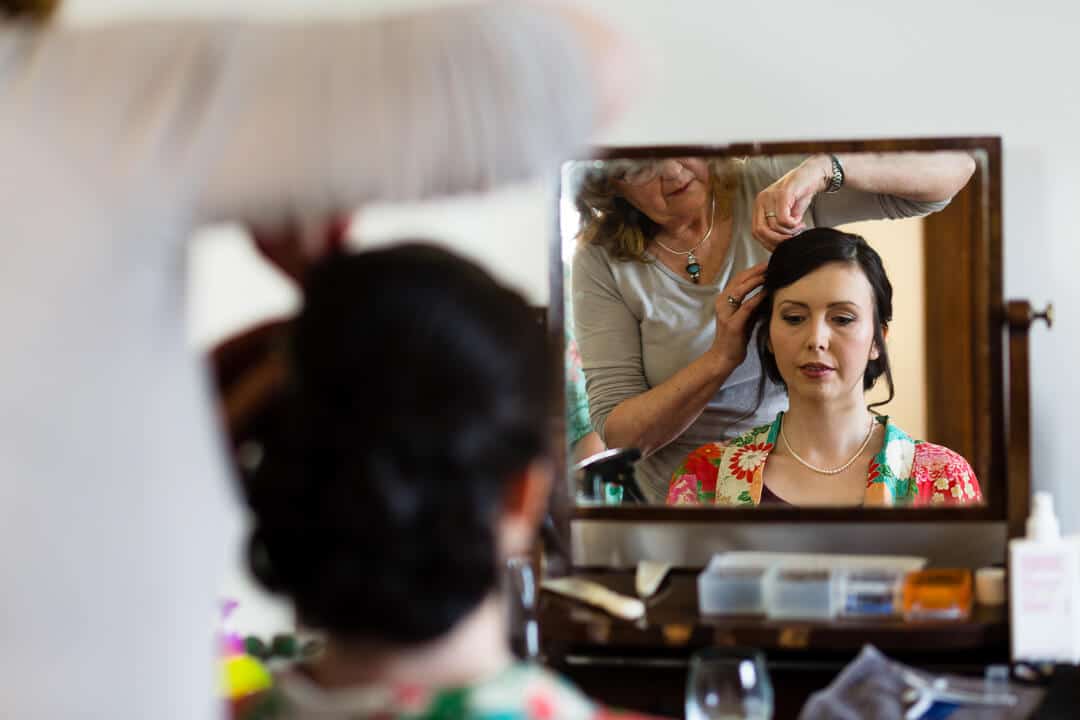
(652, 419)
(733, 312)
(779, 208)
(292, 249)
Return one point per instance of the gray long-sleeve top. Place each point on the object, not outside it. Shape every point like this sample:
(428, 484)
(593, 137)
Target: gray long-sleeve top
(637, 324)
(116, 513)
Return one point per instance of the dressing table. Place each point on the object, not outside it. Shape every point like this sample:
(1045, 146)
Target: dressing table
(975, 400)
(643, 666)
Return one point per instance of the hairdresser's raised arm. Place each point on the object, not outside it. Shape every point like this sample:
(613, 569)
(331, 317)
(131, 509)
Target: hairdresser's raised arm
(327, 115)
(918, 176)
(873, 185)
(304, 119)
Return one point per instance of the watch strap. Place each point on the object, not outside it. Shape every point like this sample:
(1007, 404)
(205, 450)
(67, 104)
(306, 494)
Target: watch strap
(836, 178)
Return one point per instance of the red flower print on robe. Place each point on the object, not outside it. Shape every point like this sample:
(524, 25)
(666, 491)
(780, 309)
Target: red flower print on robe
(874, 474)
(700, 464)
(747, 459)
(943, 477)
(541, 707)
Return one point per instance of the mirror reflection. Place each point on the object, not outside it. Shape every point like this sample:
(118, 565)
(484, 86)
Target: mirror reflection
(752, 327)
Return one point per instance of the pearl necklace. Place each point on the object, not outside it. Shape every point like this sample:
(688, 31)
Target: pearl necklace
(693, 267)
(827, 471)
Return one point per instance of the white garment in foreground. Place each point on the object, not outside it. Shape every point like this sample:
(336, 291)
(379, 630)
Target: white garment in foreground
(116, 143)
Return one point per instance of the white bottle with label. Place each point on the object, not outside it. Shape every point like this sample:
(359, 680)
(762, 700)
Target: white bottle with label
(1044, 583)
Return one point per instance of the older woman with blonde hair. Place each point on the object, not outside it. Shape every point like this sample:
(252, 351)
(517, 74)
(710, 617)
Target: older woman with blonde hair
(672, 250)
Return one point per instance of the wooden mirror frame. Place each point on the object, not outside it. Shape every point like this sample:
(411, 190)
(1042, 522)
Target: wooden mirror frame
(964, 276)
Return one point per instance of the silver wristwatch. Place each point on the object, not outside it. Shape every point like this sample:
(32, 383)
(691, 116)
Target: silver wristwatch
(836, 179)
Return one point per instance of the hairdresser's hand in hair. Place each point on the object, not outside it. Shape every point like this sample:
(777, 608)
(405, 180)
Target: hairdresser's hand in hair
(292, 248)
(732, 322)
(653, 419)
(779, 208)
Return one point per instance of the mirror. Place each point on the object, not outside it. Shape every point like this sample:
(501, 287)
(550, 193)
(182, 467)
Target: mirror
(650, 238)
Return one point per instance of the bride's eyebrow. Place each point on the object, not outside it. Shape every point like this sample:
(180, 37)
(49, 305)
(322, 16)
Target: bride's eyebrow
(834, 303)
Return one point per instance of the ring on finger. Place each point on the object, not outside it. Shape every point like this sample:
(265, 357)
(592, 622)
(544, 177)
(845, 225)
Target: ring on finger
(770, 214)
(733, 301)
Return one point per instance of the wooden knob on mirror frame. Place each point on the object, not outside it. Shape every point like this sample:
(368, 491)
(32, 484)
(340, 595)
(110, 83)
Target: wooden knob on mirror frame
(1019, 315)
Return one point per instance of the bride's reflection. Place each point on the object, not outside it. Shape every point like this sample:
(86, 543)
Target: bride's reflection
(820, 329)
(668, 247)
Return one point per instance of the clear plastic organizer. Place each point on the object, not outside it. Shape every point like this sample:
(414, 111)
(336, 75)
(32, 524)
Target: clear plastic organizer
(813, 592)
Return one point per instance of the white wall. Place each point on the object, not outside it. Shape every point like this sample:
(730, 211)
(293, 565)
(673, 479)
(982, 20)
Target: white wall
(791, 69)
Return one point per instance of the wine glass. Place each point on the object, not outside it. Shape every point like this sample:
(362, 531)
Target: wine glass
(728, 684)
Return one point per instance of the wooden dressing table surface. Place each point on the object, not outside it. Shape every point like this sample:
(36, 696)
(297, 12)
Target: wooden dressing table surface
(642, 665)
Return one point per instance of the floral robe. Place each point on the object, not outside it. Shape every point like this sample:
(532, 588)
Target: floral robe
(520, 692)
(907, 473)
(578, 424)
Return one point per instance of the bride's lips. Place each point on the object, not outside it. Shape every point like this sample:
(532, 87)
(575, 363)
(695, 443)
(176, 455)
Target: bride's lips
(815, 370)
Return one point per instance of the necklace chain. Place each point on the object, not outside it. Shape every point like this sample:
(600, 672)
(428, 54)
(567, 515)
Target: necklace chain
(827, 471)
(712, 219)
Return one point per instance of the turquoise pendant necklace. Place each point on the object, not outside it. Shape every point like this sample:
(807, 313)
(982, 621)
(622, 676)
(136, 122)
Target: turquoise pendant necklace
(693, 267)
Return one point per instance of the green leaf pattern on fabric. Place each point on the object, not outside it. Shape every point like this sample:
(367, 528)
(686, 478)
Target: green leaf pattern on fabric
(895, 462)
(452, 704)
(750, 436)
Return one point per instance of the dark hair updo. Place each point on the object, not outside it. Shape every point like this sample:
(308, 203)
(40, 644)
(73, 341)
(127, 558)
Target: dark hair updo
(418, 390)
(803, 254)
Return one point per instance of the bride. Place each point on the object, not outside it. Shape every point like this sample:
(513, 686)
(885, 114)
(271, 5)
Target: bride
(821, 330)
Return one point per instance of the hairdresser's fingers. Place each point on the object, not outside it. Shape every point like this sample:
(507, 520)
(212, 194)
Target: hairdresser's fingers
(791, 204)
(750, 274)
(293, 246)
(780, 208)
(742, 315)
(795, 191)
(336, 233)
(798, 210)
(731, 340)
(744, 282)
(281, 247)
(731, 299)
(760, 227)
(769, 233)
(323, 235)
